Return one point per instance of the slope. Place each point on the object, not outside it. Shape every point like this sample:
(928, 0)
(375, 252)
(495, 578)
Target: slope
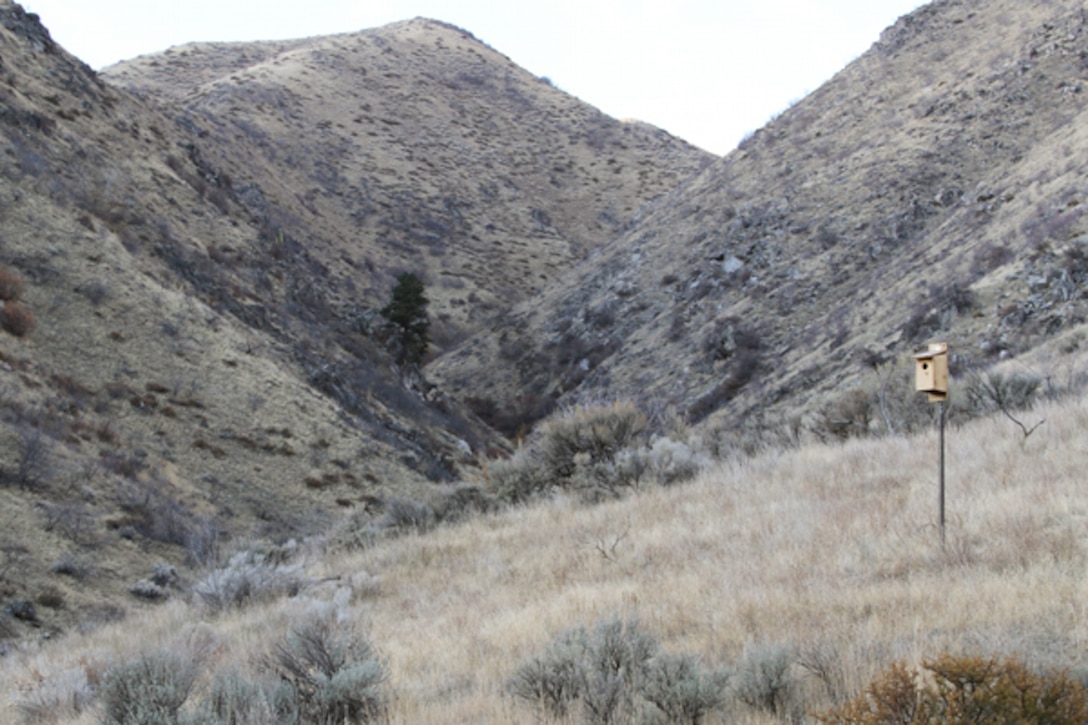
(415, 147)
(169, 397)
(932, 189)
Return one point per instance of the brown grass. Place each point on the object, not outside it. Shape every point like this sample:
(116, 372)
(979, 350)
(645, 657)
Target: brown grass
(831, 547)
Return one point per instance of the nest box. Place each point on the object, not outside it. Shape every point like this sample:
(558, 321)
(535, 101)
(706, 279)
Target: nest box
(931, 371)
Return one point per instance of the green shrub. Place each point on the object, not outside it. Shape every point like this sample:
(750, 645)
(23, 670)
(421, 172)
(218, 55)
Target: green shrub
(962, 690)
(334, 675)
(149, 690)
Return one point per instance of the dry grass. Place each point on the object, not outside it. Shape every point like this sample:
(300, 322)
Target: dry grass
(824, 547)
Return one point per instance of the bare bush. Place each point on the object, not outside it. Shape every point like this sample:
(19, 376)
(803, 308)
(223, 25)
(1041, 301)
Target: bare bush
(34, 462)
(61, 697)
(1006, 393)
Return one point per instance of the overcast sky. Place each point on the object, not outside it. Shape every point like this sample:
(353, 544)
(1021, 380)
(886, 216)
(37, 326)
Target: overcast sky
(708, 71)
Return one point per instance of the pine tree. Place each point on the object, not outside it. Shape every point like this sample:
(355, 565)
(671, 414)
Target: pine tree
(406, 316)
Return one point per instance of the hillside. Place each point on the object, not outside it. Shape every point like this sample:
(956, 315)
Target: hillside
(196, 243)
(200, 359)
(160, 407)
(414, 147)
(822, 557)
(933, 189)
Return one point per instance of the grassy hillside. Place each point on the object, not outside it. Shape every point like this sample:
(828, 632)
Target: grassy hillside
(931, 190)
(414, 147)
(206, 360)
(825, 557)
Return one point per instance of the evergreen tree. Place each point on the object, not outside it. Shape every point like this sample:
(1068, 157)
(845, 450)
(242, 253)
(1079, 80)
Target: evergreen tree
(406, 316)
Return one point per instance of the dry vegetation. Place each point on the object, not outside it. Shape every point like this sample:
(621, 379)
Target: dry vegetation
(222, 497)
(824, 555)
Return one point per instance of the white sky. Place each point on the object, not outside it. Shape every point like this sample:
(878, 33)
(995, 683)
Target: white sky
(708, 71)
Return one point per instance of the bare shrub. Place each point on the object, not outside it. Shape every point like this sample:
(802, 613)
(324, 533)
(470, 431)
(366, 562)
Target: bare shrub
(1007, 393)
(155, 513)
(71, 519)
(61, 697)
(34, 462)
(17, 319)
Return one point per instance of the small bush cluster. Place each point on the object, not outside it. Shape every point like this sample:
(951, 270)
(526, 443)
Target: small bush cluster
(14, 315)
(597, 451)
(961, 690)
(320, 674)
(249, 577)
(616, 673)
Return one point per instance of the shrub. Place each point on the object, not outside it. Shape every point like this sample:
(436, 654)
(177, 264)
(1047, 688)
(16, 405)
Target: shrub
(961, 690)
(69, 564)
(11, 285)
(673, 461)
(1005, 393)
(964, 689)
(34, 462)
(764, 680)
(599, 432)
(403, 513)
(16, 319)
(997, 391)
(334, 675)
(601, 670)
(147, 691)
(58, 698)
(682, 691)
(248, 577)
(235, 699)
(516, 479)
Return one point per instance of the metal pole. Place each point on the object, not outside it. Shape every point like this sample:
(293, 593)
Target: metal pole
(942, 404)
